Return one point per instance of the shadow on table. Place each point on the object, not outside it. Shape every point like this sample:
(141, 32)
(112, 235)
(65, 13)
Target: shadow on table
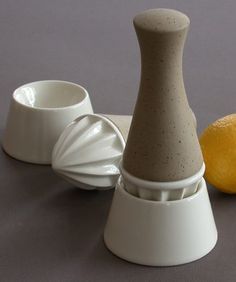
(52, 231)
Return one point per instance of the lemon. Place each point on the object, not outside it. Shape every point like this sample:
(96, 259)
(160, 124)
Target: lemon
(218, 143)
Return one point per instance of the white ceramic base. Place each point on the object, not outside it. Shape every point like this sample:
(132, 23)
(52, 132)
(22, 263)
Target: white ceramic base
(160, 233)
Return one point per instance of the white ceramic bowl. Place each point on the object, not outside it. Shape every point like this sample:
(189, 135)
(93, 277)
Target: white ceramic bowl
(39, 112)
(160, 233)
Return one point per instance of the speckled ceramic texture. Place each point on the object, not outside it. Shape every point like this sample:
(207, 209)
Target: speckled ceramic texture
(162, 143)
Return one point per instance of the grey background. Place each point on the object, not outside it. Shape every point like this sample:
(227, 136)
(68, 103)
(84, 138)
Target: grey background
(51, 231)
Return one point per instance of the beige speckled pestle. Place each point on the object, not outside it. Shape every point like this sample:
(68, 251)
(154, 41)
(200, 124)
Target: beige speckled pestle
(162, 143)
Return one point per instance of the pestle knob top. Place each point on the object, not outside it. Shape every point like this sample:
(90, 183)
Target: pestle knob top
(161, 20)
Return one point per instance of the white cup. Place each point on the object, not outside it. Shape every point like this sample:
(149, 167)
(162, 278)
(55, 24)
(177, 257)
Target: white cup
(39, 111)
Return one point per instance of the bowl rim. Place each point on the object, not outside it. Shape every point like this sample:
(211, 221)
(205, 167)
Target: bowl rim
(199, 191)
(165, 185)
(84, 91)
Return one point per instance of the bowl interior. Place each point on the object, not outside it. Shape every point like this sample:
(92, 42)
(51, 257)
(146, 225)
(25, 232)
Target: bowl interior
(50, 94)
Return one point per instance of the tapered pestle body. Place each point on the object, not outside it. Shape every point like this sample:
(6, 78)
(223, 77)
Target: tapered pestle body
(162, 143)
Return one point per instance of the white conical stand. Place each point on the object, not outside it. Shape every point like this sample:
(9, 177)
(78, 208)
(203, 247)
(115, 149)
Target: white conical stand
(160, 233)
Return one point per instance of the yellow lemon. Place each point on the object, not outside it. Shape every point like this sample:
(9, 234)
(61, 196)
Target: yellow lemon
(218, 143)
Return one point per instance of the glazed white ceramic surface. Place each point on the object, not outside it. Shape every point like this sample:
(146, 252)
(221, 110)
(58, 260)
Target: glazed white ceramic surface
(161, 191)
(39, 112)
(159, 233)
(123, 123)
(88, 152)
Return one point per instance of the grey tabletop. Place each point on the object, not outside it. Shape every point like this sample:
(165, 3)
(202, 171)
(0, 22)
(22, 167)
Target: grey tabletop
(51, 231)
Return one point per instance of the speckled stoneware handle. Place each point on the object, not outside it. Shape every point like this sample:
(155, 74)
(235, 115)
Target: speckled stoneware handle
(162, 143)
